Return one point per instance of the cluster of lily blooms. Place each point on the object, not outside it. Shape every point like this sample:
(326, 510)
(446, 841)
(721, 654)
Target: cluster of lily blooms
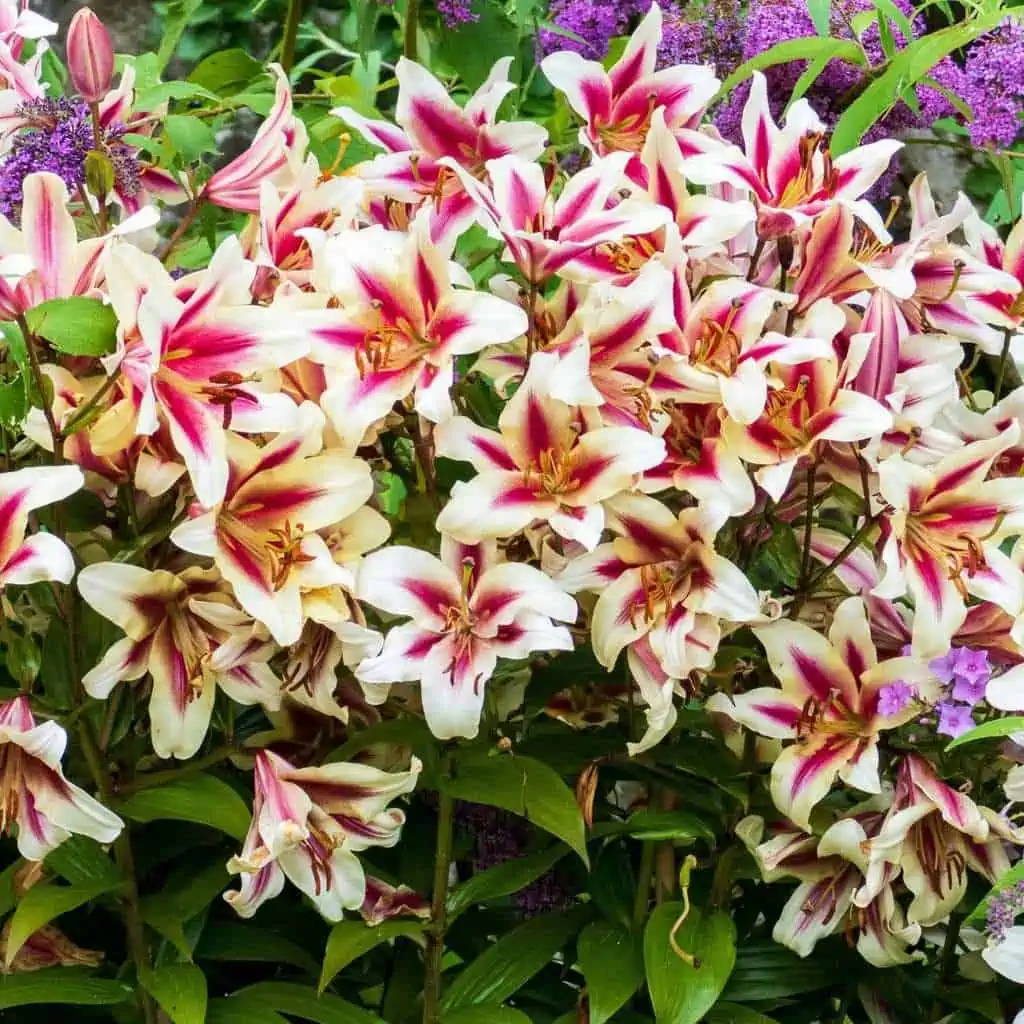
(679, 362)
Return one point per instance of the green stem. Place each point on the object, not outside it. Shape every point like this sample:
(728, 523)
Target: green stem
(84, 410)
(643, 886)
(438, 909)
(183, 225)
(291, 33)
(805, 567)
(1004, 356)
(40, 383)
(412, 18)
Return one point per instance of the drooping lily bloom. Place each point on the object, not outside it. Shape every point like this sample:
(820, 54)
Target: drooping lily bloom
(35, 796)
(189, 354)
(617, 105)
(539, 465)
(430, 127)
(1003, 308)
(395, 324)
(811, 403)
(384, 902)
(308, 824)
(828, 704)
(933, 834)
(468, 609)
(280, 141)
(263, 535)
(657, 689)
(789, 171)
(185, 632)
(661, 580)
(545, 235)
(829, 870)
(25, 560)
(942, 531)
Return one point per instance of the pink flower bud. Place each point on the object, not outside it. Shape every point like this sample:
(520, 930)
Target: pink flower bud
(90, 56)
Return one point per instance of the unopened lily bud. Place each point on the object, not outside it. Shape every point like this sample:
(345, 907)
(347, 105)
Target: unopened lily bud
(90, 56)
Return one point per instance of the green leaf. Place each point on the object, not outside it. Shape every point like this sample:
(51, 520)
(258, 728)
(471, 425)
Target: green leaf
(503, 879)
(522, 785)
(472, 49)
(778, 559)
(1005, 880)
(237, 941)
(349, 940)
(808, 78)
(485, 1015)
(13, 402)
(889, 10)
(995, 729)
(905, 70)
(655, 825)
(178, 14)
(82, 861)
(612, 960)
(183, 899)
(78, 326)
(820, 12)
(158, 94)
(502, 969)
(190, 136)
(41, 904)
(226, 72)
(733, 1013)
(766, 970)
(180, 989)
(806, 48)
(233, 1011)
(75, 985)
(682, 993)
(203, 799)
(299, 1001)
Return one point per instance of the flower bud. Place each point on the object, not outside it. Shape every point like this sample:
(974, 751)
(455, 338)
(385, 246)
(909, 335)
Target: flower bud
(90, 56)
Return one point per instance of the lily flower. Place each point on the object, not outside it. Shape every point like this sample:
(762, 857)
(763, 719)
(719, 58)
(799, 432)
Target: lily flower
(25, 560)
(933, 834)
(384, 901)
(942, 530)
(829, 704)
(35, 796)
(545, 235)
(789, 171)
(263, 535)
(468, 609)
(430, 127)
(395, 325)
(661, 580)
(279, 144)
(1004, 308)
(539, 464)
(308, 824)
(617, 105)
(185, 632)
(189, 353)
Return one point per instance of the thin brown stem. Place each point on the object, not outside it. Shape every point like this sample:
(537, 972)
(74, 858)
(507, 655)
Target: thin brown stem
(184, 224)
(1004, 357)
(39, 380)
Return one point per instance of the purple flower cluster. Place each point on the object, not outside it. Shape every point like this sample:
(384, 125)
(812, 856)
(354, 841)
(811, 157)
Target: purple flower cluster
(964, 673)
(1002, 909)
(456, 12)
(992, 84)
(892, 699)
(57, 137)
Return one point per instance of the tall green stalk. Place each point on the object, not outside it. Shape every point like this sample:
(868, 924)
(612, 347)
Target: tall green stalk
(438, 910)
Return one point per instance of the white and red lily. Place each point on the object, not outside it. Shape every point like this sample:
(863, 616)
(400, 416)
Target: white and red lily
(661, 581)
(431, 127)
(185, 632)
(933, 834)
(617, 105)
(308, 824)
(189, 355)
(25, 560)
(395, 325)
(263, 536)
(545, 235)
(789, 171)
(941, 530)
(1005, 309)
(468, 609)
(828, 704)
(541, 464)
(277, 150)
(35, 796)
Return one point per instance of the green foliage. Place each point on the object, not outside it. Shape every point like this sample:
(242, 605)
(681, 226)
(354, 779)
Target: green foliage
(78, 326)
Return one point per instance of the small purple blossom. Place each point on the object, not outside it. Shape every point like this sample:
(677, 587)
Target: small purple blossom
(1002, 910)
(456, 12)
(993, 85)
(894, 697)
(954, 719)
(966, 670)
